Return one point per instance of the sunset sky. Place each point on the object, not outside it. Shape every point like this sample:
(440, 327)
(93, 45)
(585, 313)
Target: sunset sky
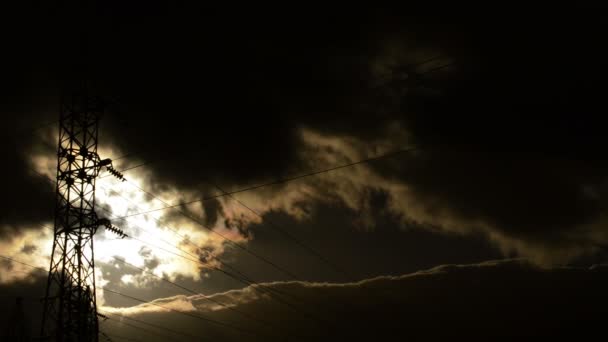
(313, 173)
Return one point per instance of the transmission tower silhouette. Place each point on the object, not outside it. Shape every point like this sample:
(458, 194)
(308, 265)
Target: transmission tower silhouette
(70, 307)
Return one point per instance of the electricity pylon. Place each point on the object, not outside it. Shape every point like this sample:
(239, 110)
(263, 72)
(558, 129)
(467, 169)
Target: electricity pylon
(70, 307)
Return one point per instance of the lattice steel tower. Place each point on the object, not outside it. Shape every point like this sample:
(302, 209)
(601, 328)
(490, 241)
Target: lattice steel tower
(70, 308)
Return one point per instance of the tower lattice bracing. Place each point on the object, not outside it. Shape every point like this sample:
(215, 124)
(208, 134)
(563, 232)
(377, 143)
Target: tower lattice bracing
(70, 311)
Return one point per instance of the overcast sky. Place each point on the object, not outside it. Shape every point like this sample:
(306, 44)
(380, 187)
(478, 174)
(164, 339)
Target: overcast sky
(498, 117)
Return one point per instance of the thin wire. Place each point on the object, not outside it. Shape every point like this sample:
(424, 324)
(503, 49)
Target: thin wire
(259, 186)
(283, 270)
(224, 193)
(113, 159)
(205, 319)
(140, 328)
(276, 227)
(250, 282)
(436, 68)
(127, 169)
(223, 263)
(209, 320)
(124, 156)
(243, 280)
(264, 259)
(105, 336)
(274, 293)
(22, 263)
(208, 298)
(122, 337)
(410, 66)
(291, 237)
(234, 243)
(152, 325)
(240, 277)
(300, 243)
(281, 181)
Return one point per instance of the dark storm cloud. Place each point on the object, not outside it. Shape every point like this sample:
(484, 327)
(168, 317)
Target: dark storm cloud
(477, 302)
(510, 135)
(27, 103)
(27, 196)
(229, 95)
(515, 137)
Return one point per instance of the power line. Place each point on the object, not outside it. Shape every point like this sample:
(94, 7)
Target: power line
(259, 257)
(281, 181)
(129, 168)
(291, 237)
(276, 227)
(153, 333)
(246, 249)
(108, 175)
(208, 298)
(22, 263)
(42, 269)
(300, 243)
(204, 319)
(248, 316)
(283, 270)
(154, 325)
(335, 267)
(255, 187)
(284, 232)
(107, 336)
(234, 243)
(243, 279)
(274, 293)
(125, 156)
(288, 235)
(209, 320)
(428, 71)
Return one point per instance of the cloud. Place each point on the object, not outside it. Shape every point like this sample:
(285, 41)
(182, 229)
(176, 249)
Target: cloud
(510, 142)
(495, 299)
(537, 208)
(28, 199)
(478, 302)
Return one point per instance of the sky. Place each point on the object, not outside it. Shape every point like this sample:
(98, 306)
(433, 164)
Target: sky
(316, 173)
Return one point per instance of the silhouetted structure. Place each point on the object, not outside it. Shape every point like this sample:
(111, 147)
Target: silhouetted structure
(70, 309)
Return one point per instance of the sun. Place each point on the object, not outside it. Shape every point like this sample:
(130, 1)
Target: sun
(157, 236)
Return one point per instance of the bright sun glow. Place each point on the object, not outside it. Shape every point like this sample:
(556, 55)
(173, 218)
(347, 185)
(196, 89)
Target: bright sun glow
(154, 239)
